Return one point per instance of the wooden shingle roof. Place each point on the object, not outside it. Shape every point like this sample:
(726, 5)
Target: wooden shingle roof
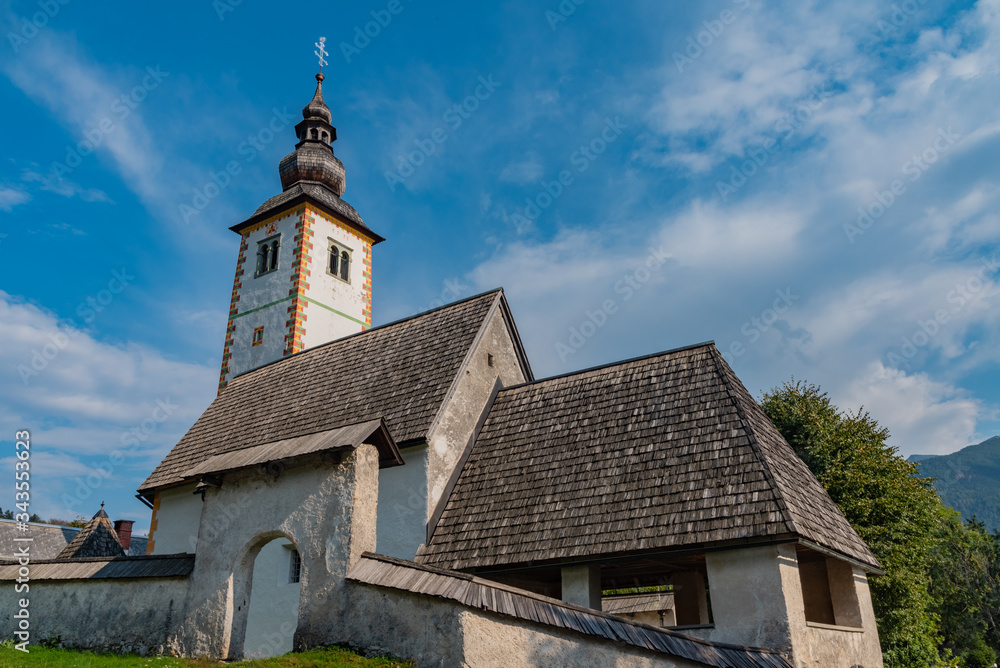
(507, 601)
(400, 372)
(97, 539)
(661, 453)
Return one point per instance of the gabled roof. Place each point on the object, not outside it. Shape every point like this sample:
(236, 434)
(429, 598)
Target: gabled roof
(507, 601)
(97, 539)
(661, 453)
(400, 372)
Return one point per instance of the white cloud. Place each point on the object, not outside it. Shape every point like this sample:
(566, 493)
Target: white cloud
(525, 171)
(923, 416)
(11, 197)
(64, 187)
(99, 392)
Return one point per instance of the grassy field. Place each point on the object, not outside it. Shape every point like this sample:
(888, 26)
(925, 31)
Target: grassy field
(40, 657)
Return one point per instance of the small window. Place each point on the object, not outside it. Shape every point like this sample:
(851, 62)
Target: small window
(258, 336)
(295, 568)
(312, 134)
(267, 255)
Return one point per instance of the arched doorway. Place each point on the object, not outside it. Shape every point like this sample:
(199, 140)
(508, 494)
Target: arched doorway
(273, 598)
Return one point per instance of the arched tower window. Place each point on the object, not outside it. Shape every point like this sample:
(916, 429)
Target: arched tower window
(334, 259)
(340, 261)
(267, 255)
(312, 133)
(261, 260)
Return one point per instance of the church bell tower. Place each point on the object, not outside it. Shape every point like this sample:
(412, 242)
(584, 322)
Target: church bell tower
(304, 271)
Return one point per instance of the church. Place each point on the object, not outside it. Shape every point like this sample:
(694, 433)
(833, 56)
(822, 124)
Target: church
(412, 489)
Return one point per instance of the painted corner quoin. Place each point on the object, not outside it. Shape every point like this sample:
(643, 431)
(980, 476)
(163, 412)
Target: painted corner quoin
(300, 275)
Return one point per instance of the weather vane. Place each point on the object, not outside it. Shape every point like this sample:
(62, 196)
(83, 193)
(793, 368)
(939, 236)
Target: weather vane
(321, 51)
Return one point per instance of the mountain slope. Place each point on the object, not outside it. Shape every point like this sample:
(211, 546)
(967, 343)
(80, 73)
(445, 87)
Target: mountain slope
(969, 480)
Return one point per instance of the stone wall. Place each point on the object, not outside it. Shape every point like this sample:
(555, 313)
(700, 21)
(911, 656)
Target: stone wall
(438, 633)
(104, 615)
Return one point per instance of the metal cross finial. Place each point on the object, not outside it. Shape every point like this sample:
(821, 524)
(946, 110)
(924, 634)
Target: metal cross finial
(321, 51)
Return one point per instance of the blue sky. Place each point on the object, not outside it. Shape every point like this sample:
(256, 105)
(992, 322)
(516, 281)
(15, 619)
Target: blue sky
(814, 186)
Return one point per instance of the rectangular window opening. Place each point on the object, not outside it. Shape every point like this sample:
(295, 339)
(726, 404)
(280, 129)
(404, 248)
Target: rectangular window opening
(294, 567)
(829, 592)
(258, 336)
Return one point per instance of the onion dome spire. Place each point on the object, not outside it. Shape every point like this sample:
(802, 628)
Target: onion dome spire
(313, 158)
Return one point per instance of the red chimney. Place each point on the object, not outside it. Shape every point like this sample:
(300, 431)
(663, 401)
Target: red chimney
(124, 530)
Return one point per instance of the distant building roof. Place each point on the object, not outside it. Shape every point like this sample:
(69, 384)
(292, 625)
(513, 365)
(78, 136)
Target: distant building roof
(500, 599)
(48, 540)
(97, 539)
(659, 453)
(630, 604)
(400, 372)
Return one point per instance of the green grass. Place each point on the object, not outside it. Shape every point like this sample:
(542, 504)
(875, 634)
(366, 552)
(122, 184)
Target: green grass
(41, 657)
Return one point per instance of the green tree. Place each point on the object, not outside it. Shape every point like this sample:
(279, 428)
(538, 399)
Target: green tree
(966, 588)
(891, 508)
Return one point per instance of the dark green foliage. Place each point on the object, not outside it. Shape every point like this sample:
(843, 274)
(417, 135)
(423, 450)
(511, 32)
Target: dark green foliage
(969, 481)
(6, 514)
(891, 508)
(965, 583)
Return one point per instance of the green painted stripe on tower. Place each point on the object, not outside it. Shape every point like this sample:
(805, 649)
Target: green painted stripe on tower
(328, 308)
(311, 301)
(254, 310)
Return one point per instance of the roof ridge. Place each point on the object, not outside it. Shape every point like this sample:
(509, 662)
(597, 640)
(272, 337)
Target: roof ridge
(609, 365)
(372, 329)
(755, 446)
